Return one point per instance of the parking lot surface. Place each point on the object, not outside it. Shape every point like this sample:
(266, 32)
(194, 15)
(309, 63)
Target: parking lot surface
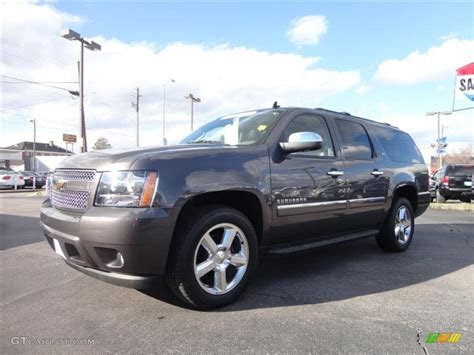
(346, 298)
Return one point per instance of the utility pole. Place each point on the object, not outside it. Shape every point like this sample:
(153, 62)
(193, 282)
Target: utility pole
(193, 99)
(439, 144)
(93, 46)
(164, 110)
(136, 105)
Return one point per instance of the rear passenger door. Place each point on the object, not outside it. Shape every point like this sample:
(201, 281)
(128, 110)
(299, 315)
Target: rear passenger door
(367, 186)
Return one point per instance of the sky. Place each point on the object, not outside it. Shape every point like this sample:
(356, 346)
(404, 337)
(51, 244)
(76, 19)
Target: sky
(388, 61)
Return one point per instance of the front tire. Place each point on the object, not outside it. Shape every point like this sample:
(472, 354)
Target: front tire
(397, 233)
(213, 258)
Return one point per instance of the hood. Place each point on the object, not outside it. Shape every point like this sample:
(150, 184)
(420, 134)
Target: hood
(122, 159)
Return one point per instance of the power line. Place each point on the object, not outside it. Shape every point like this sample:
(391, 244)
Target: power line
(40, 119)
(46, 127)
(37, 103)
(39, 83)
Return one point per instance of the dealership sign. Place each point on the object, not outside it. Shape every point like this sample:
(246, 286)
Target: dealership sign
(465, 80)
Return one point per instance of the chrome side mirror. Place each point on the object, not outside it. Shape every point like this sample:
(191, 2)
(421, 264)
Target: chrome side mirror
(302, 142)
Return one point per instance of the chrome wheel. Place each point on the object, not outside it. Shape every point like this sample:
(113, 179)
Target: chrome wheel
(221, 258)
(403, 225)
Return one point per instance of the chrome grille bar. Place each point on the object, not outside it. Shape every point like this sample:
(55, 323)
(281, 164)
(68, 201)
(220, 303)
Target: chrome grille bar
(69, 199)
(71, 189)
(75, 175)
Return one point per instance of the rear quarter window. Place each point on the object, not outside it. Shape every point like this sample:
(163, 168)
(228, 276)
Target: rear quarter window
(398, 145)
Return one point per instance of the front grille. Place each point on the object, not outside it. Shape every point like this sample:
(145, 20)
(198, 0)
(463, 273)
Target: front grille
(75, 175)
(69, 199)
(71, 189)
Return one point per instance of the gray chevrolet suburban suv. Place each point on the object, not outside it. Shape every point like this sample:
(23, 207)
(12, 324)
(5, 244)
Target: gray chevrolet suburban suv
(203, 212)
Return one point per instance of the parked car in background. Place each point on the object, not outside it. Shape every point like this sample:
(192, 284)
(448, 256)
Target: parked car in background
(10, 179)
(39, 182)
(203, 212)
(452, 182)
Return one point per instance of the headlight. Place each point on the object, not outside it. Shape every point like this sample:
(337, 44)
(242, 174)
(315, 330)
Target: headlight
(127, 189)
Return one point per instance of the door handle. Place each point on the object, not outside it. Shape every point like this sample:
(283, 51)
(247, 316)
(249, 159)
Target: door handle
(376, 172)
(335, 173)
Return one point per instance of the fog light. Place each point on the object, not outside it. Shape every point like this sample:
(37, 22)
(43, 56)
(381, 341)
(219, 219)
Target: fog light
(110, 257)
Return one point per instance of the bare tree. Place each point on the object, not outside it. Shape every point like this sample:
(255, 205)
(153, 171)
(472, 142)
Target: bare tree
(462, 156)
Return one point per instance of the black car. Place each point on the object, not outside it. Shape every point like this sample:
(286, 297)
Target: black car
(203, 212)
(39, 181)
(452, 182)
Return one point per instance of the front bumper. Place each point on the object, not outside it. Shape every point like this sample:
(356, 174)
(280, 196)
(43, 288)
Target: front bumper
(123, 246)
(131, 281)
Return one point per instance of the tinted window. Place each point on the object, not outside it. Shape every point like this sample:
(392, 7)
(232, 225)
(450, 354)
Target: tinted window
(460, 170)
(311, 123)
(354, 139)
(398, 145)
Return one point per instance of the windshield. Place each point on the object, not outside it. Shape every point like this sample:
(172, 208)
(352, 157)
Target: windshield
(240, 129)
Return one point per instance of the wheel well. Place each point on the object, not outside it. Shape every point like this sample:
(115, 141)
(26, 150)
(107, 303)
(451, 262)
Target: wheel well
(408, 192)
(243, 201)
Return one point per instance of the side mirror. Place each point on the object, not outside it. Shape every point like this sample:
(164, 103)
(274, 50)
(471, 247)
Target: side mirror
(302, 142)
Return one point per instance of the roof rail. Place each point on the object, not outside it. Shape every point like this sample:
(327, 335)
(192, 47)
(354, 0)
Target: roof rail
(325, 109)
(348, 114)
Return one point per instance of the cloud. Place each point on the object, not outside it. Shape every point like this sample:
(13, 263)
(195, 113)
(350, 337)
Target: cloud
(227, 79)
(307, 30)
(437, 63)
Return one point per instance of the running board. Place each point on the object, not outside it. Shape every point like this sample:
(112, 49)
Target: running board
(320, 243)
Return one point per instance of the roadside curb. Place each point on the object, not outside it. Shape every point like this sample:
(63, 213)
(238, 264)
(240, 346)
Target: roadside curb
(5, 191)
(468, 207)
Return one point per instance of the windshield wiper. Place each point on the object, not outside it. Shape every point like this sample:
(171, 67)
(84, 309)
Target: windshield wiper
(205, 141)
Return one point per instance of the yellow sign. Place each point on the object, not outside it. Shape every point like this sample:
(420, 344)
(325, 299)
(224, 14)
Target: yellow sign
(70, 138)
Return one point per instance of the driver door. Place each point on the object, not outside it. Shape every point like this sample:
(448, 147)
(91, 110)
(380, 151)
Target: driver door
(308, 188)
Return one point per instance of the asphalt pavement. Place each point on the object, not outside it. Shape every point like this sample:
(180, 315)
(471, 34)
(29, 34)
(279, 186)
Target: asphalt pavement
(345, 298)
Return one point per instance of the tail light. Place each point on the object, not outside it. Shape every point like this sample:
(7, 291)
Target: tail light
(21, 177)
(446, 180)
(6, 177)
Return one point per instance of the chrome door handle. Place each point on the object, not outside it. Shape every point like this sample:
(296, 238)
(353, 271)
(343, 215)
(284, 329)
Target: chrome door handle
(376, 173)
(335, 173)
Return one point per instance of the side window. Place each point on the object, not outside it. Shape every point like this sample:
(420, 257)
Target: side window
(316, 124)
(398, 145)
(355, 141)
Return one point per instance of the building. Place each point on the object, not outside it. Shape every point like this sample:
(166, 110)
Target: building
(20, 156)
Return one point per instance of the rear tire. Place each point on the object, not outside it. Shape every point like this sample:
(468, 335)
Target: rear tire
(213, 258)
(397, 233)
(440, 198)
(465, 199)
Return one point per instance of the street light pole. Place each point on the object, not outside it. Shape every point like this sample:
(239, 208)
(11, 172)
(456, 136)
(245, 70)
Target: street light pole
(93, 46)
(81, 96)
(34, 143)
(438, 141)
(164, 109)
(193, 99)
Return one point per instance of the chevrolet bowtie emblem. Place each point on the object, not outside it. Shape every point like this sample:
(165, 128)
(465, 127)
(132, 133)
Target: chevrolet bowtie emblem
(58, 184)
